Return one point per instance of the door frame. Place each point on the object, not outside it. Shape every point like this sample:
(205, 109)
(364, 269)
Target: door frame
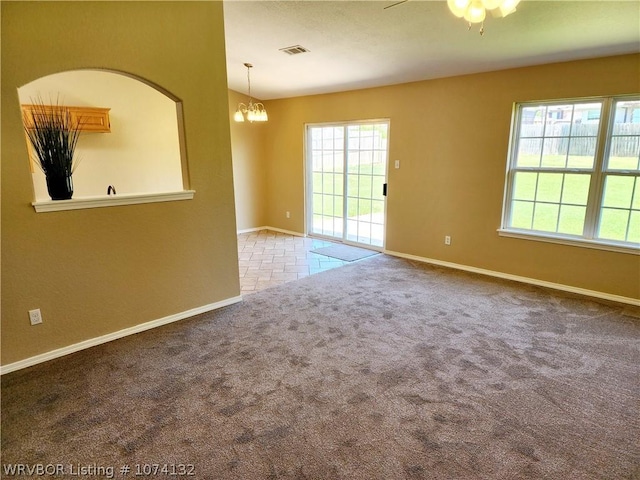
(308, 182)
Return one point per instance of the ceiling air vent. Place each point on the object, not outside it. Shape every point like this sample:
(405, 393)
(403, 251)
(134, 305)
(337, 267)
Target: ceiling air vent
(294, 50)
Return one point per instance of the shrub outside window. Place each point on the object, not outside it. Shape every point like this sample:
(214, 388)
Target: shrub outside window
(573, 171)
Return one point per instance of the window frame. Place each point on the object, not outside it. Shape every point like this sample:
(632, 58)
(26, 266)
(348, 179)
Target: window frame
(597, 177)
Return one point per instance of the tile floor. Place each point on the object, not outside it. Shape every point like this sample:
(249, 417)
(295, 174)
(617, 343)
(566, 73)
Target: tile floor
(269, 258)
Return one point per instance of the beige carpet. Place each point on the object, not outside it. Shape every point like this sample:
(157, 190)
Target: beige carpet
(382, 369)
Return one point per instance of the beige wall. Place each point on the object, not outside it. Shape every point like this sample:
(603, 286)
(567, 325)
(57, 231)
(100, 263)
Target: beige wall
(97, 271)
(451, 136)
(249, 168)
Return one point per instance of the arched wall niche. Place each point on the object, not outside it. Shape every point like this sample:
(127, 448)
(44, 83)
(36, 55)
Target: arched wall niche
(144, 153)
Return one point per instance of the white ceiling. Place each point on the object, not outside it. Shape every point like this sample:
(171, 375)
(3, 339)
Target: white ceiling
(359, 44)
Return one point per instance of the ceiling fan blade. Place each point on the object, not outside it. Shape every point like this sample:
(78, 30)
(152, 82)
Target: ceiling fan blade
(395, 4)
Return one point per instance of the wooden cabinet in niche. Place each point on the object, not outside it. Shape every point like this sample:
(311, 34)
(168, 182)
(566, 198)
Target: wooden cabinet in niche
(90, 119)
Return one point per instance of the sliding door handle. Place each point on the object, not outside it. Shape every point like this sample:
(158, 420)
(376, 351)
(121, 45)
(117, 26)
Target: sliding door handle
(384, 189)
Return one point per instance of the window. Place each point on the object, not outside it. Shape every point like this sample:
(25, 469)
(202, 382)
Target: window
(574, 170)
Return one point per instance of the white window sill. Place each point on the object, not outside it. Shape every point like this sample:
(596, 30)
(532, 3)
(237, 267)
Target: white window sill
(576, 242)
(110, 201)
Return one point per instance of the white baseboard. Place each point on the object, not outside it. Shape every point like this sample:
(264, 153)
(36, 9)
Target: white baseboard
(518, 278)
(254, 229)
(273, 229)
(288, 232)
(92, 342)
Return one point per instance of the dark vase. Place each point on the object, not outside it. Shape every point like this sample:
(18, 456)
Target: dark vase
(60, 187)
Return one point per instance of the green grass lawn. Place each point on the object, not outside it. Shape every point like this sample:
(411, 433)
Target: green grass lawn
(364, 190)
(556, 202)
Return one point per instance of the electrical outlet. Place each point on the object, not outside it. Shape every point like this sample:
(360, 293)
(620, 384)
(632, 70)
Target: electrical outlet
(288, 214)
(35, 316)
(397, 163)
(447, 240)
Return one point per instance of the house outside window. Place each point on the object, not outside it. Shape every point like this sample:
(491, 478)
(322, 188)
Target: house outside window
(573, 172)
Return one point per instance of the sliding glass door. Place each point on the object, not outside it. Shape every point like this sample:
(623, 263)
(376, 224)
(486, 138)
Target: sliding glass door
(346, 179)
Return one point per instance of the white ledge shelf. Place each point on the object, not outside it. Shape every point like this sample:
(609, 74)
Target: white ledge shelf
(111, 201)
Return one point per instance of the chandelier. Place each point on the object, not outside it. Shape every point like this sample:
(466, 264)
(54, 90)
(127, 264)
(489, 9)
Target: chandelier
(255, 112)
(475, 11)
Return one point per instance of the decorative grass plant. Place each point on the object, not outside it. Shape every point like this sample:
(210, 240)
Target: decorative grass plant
(54, 138)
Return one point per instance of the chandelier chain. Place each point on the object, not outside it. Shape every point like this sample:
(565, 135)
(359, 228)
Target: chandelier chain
(248, 65)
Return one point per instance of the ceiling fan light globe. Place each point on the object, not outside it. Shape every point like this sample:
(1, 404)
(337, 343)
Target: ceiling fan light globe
(462, 4)
(475, 13)
(508, 6)
(458, 7)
